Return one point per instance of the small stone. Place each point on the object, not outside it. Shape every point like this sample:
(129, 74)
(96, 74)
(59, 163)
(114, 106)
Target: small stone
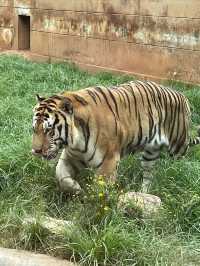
(55, 226)
(137, 203)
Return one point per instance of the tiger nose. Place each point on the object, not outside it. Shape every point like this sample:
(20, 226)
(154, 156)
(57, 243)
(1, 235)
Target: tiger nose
(37, 151)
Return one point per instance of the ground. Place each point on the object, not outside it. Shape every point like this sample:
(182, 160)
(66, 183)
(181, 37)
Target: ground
(103, 235)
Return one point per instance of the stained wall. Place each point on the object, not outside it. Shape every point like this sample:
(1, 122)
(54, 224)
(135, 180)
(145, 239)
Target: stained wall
(150, 38)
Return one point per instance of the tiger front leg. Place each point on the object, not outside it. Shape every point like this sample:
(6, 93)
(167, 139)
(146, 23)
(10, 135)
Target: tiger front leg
(108, 167)
(65, 174)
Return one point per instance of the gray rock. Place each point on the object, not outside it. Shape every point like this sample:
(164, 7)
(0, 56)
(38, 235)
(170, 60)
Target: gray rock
(55, 226)
(13, 257)
(139, 204)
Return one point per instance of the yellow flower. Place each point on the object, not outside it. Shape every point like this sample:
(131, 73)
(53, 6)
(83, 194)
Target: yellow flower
(100, 177)
(106, 208)
(101, 183)
(100, 195)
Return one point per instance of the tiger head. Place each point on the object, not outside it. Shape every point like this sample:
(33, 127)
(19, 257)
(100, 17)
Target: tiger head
(52, 122)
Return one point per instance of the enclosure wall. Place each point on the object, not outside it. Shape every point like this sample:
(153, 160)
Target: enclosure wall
(150, 38)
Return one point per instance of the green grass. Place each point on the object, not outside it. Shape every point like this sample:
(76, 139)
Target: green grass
(28, 187)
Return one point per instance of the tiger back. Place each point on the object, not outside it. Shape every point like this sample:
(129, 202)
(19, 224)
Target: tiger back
(95, 127)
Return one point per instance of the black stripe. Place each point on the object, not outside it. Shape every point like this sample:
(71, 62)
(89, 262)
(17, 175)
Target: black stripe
(97, 94)
(152, 93)
(158, 89)
(95, 145)
(114, 101)
(41, 107)
(165, 109)
(139, 90)
(80, 99)
(150, 112)
(154, 133)
(116, 91)
(140, 131)
(184, 134)
(129, 104)
(173, 117)
(100, 164)
(105, 98)
(65, 141)
(149, 152)
(61, 114)
(159, 105)
(92, 95)
(56, 120)
(169, 113)
(150, 159)
(86, 132)
(83, 164)
(160, 109)
(59, 129)
(57, 97)
(49, 101)
(66, 134)
(120, 92)
(177, 127)
(99, 89)
(49, 109)
(135, 100)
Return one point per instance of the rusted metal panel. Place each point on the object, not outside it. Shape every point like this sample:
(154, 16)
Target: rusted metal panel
(128, 57)
(6, 17)
(169, 32)
(172, 8)
(6, 38)
(107, 6)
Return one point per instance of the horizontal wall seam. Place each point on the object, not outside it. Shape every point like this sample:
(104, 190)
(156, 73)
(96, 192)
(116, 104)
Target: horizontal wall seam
(119, 40)
(11, 27)
(105, 13)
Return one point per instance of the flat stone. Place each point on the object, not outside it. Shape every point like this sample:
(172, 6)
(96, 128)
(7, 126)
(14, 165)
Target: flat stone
(135, 203)
(13, 257)
(55, 226)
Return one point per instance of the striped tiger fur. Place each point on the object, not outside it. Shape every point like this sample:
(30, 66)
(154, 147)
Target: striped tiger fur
(95, 127)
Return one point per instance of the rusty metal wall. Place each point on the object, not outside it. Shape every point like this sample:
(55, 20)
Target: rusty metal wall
(153, 38)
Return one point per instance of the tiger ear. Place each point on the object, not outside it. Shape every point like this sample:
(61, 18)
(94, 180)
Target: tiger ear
(66, 106)
(39, 98)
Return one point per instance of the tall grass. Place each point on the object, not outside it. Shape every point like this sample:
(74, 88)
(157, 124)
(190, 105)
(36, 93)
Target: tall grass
(28, 187)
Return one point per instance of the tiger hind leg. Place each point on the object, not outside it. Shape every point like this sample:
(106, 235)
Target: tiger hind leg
(196, 140)
(148, 161)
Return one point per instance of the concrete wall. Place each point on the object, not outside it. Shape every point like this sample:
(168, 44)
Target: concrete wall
(154, 38)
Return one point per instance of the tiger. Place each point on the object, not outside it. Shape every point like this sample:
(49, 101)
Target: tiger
(96, 126)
